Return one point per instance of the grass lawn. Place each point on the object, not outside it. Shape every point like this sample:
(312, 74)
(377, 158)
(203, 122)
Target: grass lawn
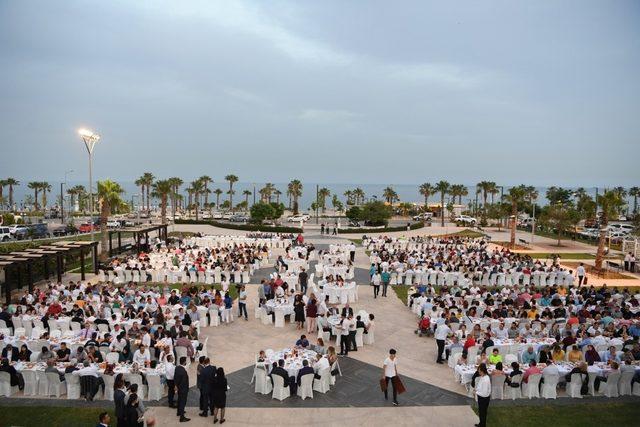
(578, 415)
(462, 233)
(51, 416)
(356, 241)
(563, 255)
(401, 291)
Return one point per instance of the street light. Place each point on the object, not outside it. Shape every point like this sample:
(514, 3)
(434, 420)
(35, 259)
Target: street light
(62, 195)
(90, 139)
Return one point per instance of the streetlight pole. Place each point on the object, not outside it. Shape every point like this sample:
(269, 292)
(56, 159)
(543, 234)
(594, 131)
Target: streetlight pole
(533, 221)
(62, 196)
(90, 139)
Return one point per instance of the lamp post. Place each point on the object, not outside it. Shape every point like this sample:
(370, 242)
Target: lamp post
(533, 221)
(90, 139)
(62, 195)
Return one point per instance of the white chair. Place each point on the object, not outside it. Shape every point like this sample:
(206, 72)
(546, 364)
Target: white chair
(156, 390)
(103, 328)
(280, 392)
(214, 318)
(257, 311)
(43, 383)
(56, 386)
(73, 386)
(636, 389)
(532, 387)
(34, 356)
(30, 382)
(205, 350)
(266, 318)
(55, 333)
(512, 392)
(624, 386)
(497, 386)
(113, 357)
(575, 385)
(549, 386)
(108, 386)
(509, 359)
(137, 379)
(306, 386)
(75, 326)
(322, 385)
(182, 352)
(263, 384)
(5, 385)
(360, 337)
(611, 386)
(279, 314)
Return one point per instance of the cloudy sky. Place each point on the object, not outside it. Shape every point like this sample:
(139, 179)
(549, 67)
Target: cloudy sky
(536, 92)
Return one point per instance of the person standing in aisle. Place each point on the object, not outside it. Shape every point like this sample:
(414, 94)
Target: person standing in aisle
(389, 372)
(181, 380)
(483, 392)
(242, 303)
(441, 334)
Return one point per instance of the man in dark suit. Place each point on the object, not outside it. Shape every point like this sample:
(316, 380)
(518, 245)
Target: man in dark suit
(118, 400)
(103, 419)
(306, 370)
(10, 352)
(207, 376)
(279, 370)
(181, 381)
(347, 311)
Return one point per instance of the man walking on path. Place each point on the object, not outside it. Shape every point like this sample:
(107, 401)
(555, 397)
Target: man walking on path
(389, 373)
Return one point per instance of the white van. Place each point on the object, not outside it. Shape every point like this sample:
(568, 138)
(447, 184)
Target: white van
(5, 234)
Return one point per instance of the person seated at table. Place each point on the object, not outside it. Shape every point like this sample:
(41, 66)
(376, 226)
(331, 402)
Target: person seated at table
(495, 356)
(320, 347)
(515, 370)
(303, 342)
(54, 309)
(323, 323)
(11, 353)
(544, 354)
(498, 370)
(183, 341)
(482, 358)
(108, 370)
(321, 363)
(611, 356)
(262, 357)
(51, 368)
(331, 354)
(80, 355)
(600, 379)
(575, 355)
(581, 368)
(455, 344)
(45, 354)
(142, 356)
(305, 370)
(63, 353)
(24, 355)
(558, 354)
(528, 356)
(280, 371)
(531, 370)
(591, 355)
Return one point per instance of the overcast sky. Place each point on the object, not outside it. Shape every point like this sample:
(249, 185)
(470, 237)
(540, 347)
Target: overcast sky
(536, 92)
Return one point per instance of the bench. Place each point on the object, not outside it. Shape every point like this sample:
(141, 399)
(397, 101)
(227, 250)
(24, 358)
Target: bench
(614, 265)
(523, 242)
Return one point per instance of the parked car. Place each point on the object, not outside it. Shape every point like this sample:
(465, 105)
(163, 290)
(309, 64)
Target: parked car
(298, 218)
(239, 218)
(86, 227)
(465, 219)
(424, 216)
(113, 223)
(36, 231)
(217, 215)
(5, 234)
(353, 224)
(64, 230)
(14, 228)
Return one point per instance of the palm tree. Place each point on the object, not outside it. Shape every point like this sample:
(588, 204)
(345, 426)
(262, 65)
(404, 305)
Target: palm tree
(458, 190)
(3, 183)
(148, 181)
(295, 187)
(610, 203)
(35, 186)
(633, 192)
(232, 180)
(442, 187)
(218, 192)
(109, 198)
(141, 183)
(45, 187)
(197, 187)
(483, 188)
(278, 193)
(426, 190)
(267, 192)
(516, 196)
(12, 182)
(206, 180)
(175, 185)
(359, 195)
(389, 195)
(246, 194)
(349, 195)
(162, 190)
(323, 193)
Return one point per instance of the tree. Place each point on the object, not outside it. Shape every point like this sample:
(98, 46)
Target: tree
(12, 182)
(354, 213)
(76, 191)
(557, 195)
(349, 195)
(359, 195)
(610, 204)
(633, 192)
(277, 193)
(218, 192)
(109, 198)
(442, 187)
(295, 188)
(3, 183)
(261, 211)
(390, 195)
(405, 208)
(266, 192)
(560, 217)
(148, 178)
(337, 204)
(426, 190)
(585, 205)
(246, 194)
(196, 188)
(323, 193)
(141, 183)
(375, 213)
(162, 190)
(35, 186)
(458, 190)
(45, 187)
(516, 196)
(206, 180)
(232, 179)
(175, 193)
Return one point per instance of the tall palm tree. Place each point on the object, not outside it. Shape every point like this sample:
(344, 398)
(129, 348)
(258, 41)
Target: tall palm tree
(426, 190)
(390, 195)
(610, 203)
(232, 179)
(197, 187)
(246, 194)
(11, 182)
(35, 186)
(323, 193)
(633, 192)
(442, 187)
(190, 200)
(516, 196)
(218, 192)
(359, 195)
(45, 187)
(458, 190)
(267, 192)
(206, 180)
(295, 187)
(3, 183)
(175, 186)
(162, 190)
(483, 188)
(109, 198)
(141, 183)
(278, 193)
(148, 181)
(349, 195)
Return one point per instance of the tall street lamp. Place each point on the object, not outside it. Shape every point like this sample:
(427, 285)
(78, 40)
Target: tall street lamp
(62, 184)
(90, 139)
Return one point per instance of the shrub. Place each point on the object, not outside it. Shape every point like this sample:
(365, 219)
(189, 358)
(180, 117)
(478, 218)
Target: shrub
(245, 227)
(382, 230)
(376, 213)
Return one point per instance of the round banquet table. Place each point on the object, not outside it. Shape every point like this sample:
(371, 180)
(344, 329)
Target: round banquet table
(292, 363)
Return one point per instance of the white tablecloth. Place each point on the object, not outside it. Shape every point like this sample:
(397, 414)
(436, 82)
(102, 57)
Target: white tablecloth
(341, 294)
(292, 363)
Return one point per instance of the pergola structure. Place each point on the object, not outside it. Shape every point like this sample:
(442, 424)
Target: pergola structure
(138, 233)
(23, 262)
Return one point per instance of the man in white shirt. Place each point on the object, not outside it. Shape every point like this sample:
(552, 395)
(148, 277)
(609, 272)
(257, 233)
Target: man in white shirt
(501, 332)
(441, 333)
(87, 370)
(142, 357)
(551, 369)
(170, 369)
(321, 363)
(580, 272)
(389, 374)
(344, 336)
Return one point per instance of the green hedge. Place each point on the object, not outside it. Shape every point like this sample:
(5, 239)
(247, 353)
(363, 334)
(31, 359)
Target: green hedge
(414, 226)
(247, 227)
